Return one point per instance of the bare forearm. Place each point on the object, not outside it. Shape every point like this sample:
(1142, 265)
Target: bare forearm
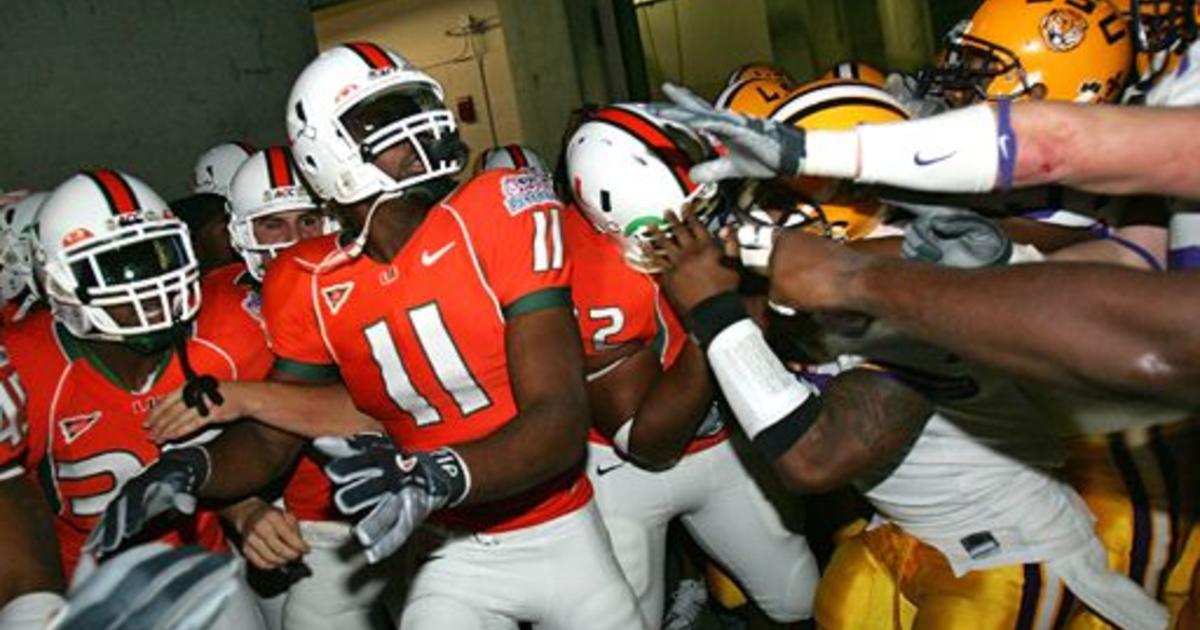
(246, 458)
(865, 419)
(27, 542)
(672, 409)
(1107, 149)
(1069, 324)
(501, 465)
(306, 410)
(547, 437)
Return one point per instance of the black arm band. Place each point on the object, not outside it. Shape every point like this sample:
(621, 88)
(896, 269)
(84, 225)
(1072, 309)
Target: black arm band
(776, 439)
(708, 318)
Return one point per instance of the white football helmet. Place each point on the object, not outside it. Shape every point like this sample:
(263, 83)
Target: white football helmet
(355, 101)
(106, 242)
(216, 166)
(266, 184)
(16, 254)
(510, 156)
(627, 169)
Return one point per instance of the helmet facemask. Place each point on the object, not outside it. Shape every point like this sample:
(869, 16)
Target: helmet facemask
(970, 66)
(1162, 25)
(398, 114)
(142, 279)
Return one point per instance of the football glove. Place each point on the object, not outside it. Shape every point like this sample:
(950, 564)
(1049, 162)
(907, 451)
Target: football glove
(758, 148)
(169, 483)
(151, 587)
(954, 237)
(401, 490)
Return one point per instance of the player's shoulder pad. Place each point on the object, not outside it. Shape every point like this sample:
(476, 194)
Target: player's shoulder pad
(32, 337)
(510, 192)
(302, 259)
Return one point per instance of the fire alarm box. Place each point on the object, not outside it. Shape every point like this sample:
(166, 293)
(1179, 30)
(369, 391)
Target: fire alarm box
(466, 109)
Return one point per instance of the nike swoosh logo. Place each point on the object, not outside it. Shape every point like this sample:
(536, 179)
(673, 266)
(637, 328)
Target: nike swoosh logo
(923, 161)
(604, 470)
(428, 259)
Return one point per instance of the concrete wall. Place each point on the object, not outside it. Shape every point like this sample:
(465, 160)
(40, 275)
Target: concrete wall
(699, 42)
(417, 30)
(141, 85)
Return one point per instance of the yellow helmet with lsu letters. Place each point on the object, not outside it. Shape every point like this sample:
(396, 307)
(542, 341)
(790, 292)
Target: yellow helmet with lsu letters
(836, 105)
(1061, 50)
(856, 71)
(759, 70)
(753, 97)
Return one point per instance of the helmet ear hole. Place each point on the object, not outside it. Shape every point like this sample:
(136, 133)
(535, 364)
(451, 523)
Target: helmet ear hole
(1038, 92)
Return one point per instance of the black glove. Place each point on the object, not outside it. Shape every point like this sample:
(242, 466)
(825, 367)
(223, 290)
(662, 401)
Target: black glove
(369, 471)
(169, 483)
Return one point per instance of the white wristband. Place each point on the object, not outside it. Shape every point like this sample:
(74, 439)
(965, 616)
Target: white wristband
(31, 610)
(760, 390)
(1022, 253)
(952, 152)
(831, 154)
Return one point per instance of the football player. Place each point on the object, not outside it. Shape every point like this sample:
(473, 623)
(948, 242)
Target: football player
(124, 329)
(269, 211)
(215, 167)
(510, 156)
(962, 547)
(18, 291)
(658, 448)
(447, 319)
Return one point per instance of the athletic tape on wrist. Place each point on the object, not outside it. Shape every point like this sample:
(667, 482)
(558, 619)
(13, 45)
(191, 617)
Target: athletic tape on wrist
(713, 314)
(951, 152)
(760, 390)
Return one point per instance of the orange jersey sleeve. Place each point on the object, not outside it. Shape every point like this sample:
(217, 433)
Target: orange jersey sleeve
(13, 425)
(294, 333)
(514, 221)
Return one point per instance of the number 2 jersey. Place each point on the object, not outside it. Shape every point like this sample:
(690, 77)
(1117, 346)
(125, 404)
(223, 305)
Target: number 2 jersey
(85, 437)
(420, 341)
(616, 304)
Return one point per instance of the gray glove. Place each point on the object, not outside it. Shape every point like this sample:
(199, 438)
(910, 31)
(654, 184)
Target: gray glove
(907, 89)
(151, 587)
(402, 490)
(168, 484)
(758, 149)
(953, 237)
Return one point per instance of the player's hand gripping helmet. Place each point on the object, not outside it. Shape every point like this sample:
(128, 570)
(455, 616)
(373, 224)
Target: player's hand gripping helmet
(510, 156)
(357, 100)
(627, 169)
(1060, 50)
(215, 167)
(117, 264)
(16, 252)
(266, 184)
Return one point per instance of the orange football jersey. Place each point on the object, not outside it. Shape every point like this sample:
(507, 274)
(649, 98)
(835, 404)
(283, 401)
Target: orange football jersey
(12, 419)
(85, 434)
(420, 341)
(617, 304)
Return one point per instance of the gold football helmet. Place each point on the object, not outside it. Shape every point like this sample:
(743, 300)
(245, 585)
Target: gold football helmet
(1062, 50)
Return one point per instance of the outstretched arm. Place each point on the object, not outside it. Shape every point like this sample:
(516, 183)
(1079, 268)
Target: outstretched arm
(1080, 325)
(1105, 149)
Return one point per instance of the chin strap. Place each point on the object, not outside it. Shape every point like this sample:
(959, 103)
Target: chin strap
(198, 388)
